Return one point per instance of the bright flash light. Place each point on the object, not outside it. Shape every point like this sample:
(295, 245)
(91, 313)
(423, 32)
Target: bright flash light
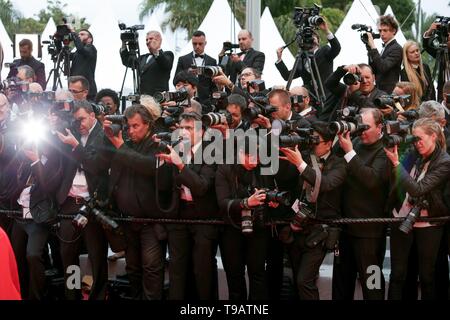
(33, 131)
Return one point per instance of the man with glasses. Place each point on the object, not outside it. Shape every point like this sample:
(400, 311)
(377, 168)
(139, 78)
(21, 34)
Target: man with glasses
(84, 60)
(79, 87)
(198, 58)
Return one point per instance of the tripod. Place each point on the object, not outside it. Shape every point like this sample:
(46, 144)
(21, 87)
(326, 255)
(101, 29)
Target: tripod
(309, 58)
(61, 64)
(441, 67)
(134, 65)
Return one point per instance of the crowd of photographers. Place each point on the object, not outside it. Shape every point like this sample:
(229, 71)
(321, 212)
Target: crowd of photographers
(373, 145)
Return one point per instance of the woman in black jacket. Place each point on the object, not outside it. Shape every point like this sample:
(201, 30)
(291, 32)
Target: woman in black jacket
(417, 72)
(421, 191)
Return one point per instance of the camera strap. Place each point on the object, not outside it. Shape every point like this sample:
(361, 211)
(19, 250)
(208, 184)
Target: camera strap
(312, 193)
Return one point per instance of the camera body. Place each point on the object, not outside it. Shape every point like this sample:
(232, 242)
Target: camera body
(392, 100)
(228, 46)
(130, 35)
(349, 120)
(442, 32)
(352, 78)
(365, 29)
(166, 96)
(258, 85)
(217, 118)
(396, 133)
(408, 224)
(119, 123)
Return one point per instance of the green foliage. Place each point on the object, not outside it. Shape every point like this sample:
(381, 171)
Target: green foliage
(401, 8)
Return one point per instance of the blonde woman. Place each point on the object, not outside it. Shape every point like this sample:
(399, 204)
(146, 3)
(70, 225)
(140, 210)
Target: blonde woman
(417, 72)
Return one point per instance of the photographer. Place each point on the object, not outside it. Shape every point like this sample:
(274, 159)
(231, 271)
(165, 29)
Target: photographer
(198, 58)
(387, 64)
(85, 177)
(421, 192)
(154, 67)
(26, 58)
(245, 78)
(367, 93)
(324, 56)
(79, 87)
(364, 196)
(436, 32)
(196, 200)
(109, 99)
(306, 257)
(300, 101)
(247, 58)
(132, 186)
(241, 195)
(84, 60)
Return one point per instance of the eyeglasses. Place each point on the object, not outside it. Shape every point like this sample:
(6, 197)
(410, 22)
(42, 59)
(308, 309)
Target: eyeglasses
(76, 91)
(247, 74)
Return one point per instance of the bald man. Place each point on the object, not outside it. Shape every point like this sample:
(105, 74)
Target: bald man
(300, 101)
(248, 57)
(153, 68)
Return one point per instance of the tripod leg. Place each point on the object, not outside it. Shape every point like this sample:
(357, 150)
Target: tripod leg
(294, 69)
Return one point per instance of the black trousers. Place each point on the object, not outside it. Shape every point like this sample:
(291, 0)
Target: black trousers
(306, 263)
(355, 256)
(196, 246)
(427, 242)
(28, 241)
(97, 248)
(144, 257)
(275, 264)
(238, 251)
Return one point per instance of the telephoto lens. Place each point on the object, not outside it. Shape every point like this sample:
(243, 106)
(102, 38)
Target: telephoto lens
(408, 224)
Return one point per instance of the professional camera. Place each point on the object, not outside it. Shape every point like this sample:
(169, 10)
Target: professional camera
(219, 99)
(291, 126)
(257, 85)
(303, 143)
(352, 78)
(133, 98)
(392, 100)
(207, 71)
(302, 217)
(100, 109)
(306, 20)
(441, 33)
(166, 96)
(171, 119)
(408, 224)
(350, 120)
(228, 46)
(281, 197)
(396, 133)
(63, 33)
(130, 35)
(91, 208)
(411, 115)
(366, 29)
(261, 107)
(297, 99)
(215, 118)
(166, 140)
(15, 86)
(119, 123)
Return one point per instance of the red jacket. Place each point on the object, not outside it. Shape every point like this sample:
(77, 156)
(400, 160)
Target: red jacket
(9, 278)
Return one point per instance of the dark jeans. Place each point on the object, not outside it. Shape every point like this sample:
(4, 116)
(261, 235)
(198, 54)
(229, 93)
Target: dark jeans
(306, 263)
(97, 248)
(196, 244)
(145, 261)
(28, 241)
(355, 256)
(238, 251)
(427, 243)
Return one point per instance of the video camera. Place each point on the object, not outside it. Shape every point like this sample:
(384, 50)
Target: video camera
(393, 101)
(441, 34)
(366, 29)
(130, 35)
(166, 96)
(306, 20)
(396, 133)
(349, 120)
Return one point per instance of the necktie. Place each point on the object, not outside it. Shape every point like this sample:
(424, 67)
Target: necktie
(199, 56)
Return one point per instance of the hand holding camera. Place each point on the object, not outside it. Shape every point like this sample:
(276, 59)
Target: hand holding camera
(345, 141)
(116, 140)
(293, 156)
(68, 139)
(172, 158)
(258, 198)
(392, 154)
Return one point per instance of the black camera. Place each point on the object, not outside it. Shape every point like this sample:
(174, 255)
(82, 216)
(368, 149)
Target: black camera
(228, 46)
(166, 96)
(133, 98)
(396, 133)
(352, 78)
(407, 225)
(63, 33)
(366, 29)
(349, 121)
(81, 219)
(166, 141)
(219, 99)
(301, 217)
(258, 85)
(306, 20)
(411, 115)
(130, 35)
(207, 71)
(291, 126)
(392, 100)
(215, 118)
(252, 113)
(441, 33)
(297, 99)
(171, 119)
(281, 197)
(100, 109)
(119, 123)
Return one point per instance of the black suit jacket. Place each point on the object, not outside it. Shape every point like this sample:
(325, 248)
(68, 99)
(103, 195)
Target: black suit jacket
(84, 62)
(429, 92)
(324, 58)
(253, 58)
(205, 86)
(366, 188)
(333, 177)
(386, 66)
(94, 165)
(155, 74)
(37, 66)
